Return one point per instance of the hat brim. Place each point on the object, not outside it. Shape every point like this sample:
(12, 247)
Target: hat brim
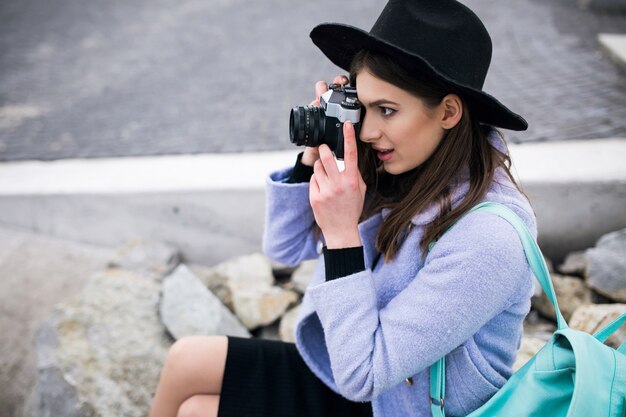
(340, 43)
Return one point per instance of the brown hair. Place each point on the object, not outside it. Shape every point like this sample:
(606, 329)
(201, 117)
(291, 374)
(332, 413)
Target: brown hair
(464, 147)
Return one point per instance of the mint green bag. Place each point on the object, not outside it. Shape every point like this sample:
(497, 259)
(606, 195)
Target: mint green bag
(573, 375)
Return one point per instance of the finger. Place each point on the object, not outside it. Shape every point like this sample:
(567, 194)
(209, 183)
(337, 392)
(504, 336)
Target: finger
(328, 161)
(341, 79)
(320, 174)
(314, 188)
(320, 88)
(350, 154)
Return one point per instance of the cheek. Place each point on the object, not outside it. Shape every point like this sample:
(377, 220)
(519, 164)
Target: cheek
(424, 141)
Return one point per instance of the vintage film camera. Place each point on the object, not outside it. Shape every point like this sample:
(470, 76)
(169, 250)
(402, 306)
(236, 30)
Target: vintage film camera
(313, 125)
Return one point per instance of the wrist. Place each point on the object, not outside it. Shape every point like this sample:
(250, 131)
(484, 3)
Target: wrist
(343, 240)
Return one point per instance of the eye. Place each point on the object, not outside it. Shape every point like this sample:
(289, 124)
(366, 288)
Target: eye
(386, 111)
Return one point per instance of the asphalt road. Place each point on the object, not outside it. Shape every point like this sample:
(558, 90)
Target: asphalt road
(119, 78)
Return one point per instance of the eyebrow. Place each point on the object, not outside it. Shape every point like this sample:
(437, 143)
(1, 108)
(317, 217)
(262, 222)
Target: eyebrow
(380, 102)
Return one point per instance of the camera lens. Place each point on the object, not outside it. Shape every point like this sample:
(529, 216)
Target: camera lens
(307, 125)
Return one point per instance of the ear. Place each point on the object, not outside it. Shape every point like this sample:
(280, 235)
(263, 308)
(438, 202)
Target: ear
(452, 110)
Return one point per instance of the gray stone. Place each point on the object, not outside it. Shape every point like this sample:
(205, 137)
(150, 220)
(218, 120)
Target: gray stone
(245, 271)
(260, 306)
(101, 352)
(55, 395)
(571, 293)
(575, 264)
(287, 327)
(593, 317)
(303, 274)
(604, 5)
(189, 308)
(270, 332)
(530, 346)
(282, 271)
(606, 272)
(215, 282)
(256, 301)
(150, 256)
(537, 327)
(37, 272)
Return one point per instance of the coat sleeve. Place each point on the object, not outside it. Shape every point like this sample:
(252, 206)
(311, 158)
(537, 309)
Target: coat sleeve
(288, 236)
(467, 279)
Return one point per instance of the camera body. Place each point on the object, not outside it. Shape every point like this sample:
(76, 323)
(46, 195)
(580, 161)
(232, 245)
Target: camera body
(313, 125)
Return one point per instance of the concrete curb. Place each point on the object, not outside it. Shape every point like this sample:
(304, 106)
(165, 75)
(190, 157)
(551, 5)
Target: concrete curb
(212, 206)
(615, 47)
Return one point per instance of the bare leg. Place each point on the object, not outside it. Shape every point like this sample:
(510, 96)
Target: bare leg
(200, 406)
(194, 367)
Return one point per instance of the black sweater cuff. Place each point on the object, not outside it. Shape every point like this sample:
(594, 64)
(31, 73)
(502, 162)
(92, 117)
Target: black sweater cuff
(343, 262)
(300, 172)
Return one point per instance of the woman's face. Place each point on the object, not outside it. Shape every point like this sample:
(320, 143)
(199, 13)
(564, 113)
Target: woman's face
(397, 125)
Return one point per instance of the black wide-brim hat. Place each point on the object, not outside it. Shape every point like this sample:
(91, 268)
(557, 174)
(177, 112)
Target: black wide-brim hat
(442, 37)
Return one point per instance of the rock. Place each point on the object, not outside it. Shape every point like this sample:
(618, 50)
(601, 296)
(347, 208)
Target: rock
(571, 293)
(618, 6)
(189, 308)
(154, 257)
(575, 264)
(592, 317)
(536, 327)
(260, 306)
(287, 329)
(282, 272)
(256, 301)
(606, 270)
(247, 270)
(216, 283)
(530, 346)
(303, 274)
(244, 271)
(101, 352)
(37, 272)
(268, 332)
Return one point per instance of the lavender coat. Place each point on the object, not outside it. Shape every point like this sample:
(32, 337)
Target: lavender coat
(364, 334)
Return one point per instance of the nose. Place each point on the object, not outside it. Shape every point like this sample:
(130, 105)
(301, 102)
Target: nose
(369, 132)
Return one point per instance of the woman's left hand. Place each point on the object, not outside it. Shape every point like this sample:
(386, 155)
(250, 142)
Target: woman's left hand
(336, 197)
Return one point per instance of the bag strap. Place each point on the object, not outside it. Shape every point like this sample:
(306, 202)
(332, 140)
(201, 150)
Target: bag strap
(540, 270)
(610, 328)
(437, 387)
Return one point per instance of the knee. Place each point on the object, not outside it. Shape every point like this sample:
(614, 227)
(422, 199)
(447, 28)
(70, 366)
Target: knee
(199, 406)
(185, 353)
(179, 353)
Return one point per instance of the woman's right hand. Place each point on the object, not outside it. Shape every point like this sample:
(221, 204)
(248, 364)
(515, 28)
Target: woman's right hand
(311, 154)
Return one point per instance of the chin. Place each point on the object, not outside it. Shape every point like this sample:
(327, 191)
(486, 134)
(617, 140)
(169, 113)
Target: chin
(394, 170)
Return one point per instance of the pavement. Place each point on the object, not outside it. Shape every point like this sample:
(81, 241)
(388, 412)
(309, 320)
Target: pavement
(83, 80)
(159, 120)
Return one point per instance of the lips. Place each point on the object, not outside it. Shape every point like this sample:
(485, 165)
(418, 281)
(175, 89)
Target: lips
(383, 154)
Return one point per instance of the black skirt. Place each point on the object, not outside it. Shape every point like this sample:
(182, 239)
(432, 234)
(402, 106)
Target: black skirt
(267, 378)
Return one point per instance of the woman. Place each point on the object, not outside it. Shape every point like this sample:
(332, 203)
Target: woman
(386, 302)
